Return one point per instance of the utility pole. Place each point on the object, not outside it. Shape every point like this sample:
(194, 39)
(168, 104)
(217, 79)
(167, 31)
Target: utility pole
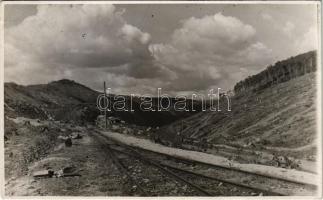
(106, 105)
(182, 127)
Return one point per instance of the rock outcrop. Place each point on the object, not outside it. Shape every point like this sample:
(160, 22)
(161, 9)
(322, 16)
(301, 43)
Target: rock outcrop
(280, 72)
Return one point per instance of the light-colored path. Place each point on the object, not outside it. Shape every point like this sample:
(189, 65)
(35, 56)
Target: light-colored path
(274, 172)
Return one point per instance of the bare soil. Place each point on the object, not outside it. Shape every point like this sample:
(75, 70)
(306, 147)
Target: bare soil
(99, 177)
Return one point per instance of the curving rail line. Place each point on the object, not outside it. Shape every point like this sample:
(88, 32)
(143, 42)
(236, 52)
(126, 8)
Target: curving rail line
(171, 171)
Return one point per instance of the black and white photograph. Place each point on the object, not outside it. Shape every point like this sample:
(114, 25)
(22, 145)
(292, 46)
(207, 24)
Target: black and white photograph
(161, 99)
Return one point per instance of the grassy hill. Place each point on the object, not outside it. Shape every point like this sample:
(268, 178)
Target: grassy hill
(279, 117)
(67, 100)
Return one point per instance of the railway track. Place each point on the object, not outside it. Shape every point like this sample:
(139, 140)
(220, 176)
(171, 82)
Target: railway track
(120, 163)
(179, 173)
(283, 182)
(165, 170)
(204, 185)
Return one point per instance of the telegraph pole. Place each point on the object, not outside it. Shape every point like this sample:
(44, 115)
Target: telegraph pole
(182, 127)
(106, 105)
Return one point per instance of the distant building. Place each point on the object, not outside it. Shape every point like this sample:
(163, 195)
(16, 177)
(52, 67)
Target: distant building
(100, 121)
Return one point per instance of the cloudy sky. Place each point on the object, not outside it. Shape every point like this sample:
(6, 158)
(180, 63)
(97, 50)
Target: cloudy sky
(138, 48)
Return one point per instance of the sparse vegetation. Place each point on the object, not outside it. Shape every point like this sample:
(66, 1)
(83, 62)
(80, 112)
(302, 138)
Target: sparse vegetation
(267, 126)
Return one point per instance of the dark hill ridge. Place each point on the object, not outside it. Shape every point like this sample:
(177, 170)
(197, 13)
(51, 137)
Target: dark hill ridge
(68, 100)
(280, 72)
(61, 100)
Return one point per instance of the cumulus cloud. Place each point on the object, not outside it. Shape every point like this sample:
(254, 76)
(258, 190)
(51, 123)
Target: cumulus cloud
(95, 43)
(60, 40)
(132, 33)
(211, 51)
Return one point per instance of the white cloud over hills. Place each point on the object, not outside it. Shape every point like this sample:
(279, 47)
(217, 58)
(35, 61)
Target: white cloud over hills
(95, 43)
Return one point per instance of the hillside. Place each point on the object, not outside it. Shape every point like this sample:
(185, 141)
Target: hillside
(69, 101)
(60, 100)
(281, 116)
(280, 72)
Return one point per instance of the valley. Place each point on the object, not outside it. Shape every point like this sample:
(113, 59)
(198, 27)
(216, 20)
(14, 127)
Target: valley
(57, 142)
